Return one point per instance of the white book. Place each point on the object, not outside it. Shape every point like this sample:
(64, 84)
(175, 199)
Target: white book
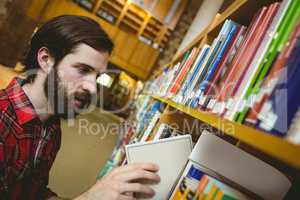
(169, 154)
(241, 168)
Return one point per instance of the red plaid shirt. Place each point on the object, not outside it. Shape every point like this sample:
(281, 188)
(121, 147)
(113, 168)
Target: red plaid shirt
(28, 147)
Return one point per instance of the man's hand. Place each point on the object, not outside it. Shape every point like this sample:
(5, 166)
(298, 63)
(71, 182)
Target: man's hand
(123, 182)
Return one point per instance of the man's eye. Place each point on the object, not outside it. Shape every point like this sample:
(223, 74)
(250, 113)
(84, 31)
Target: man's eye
(84, 70)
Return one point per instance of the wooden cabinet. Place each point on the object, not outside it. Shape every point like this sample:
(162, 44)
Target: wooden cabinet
(131, 24)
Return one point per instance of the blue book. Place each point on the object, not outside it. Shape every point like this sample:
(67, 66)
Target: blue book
(216, 62)
(204, 52)
(287, 104)
(216, 48)
(285, 98)
(195, 100)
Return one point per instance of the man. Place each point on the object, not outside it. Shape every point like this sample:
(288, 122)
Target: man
(65, 57)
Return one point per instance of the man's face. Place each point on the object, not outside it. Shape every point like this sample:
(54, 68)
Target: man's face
(71, 85)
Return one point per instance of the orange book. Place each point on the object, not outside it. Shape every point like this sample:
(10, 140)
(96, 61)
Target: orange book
(202, 184)
(183, 72)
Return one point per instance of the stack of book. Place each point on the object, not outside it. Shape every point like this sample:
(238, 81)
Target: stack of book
(248, 75)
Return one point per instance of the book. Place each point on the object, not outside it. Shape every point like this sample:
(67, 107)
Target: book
(178, 71)
(191, 75)
(180, 77)
(166, 131)
(147, 133)
(160, 152)
(239, 169)
(277, 114)
(187, 93)
(241, 57)
(227, 82)
(195, 183)
(170, 76)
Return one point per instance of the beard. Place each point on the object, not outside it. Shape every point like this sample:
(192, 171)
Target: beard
(64, 105)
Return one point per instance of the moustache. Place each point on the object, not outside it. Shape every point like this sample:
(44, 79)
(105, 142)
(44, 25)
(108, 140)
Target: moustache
(84, 97)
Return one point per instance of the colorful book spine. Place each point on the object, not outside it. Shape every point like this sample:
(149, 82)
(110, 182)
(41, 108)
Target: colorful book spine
(248, 73)
(178, 71)
(283, 25)
(190, 76)
(216, 62)
(195, 184)
(237, 67)
(210, 58)
(277, 114)
(187, 93)
(215, 88)
(178, 81)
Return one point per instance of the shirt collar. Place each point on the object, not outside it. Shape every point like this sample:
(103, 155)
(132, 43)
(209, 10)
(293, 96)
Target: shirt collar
(21, 104)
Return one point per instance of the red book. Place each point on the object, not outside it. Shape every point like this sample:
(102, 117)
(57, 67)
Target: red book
(254, 45)
(238, 66)
(185, 68)
(229, 82)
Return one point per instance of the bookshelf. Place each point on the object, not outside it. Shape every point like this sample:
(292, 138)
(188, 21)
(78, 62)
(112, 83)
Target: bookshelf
(277, 148)
(240, 11)
(269, 144)
(135, 18)
(177, 93)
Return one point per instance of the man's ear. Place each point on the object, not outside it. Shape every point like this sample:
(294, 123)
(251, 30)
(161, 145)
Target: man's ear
(45, 60)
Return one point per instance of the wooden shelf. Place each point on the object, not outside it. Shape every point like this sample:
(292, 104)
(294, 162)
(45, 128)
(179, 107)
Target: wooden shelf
(115, 14)
(129, 24)
(273, 146)
(113, 5)
(153, 28)
(243, 15)
(138, 12)
(133, 19)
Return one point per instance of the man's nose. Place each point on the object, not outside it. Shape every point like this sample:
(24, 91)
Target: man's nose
(90, 85)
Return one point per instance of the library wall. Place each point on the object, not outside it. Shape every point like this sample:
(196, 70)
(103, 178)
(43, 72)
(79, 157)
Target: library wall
(204, 17)
(178, 34)
(15, 29)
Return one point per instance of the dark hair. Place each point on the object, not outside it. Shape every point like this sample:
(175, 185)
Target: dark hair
(61, 35)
